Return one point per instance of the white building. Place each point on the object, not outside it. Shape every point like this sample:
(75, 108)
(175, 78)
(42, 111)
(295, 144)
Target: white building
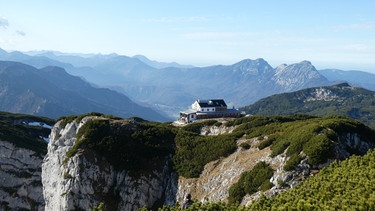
(205, 109)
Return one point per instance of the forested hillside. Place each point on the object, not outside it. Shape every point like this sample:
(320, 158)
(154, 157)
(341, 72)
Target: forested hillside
(342, 99)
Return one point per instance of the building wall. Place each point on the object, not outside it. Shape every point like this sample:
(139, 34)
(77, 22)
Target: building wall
(207, 112)
(197, 107)
(192, 117)
(187, 117)
(217, 115)
(208, 109)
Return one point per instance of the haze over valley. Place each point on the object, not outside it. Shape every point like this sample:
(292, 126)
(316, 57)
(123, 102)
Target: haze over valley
(166, 88)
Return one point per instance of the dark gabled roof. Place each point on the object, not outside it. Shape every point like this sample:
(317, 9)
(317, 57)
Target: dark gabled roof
(212, 103)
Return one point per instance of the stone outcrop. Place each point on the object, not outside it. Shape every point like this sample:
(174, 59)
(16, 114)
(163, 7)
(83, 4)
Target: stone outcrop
(216, 130)
(218, 176)
(20, 181)
(86, 180)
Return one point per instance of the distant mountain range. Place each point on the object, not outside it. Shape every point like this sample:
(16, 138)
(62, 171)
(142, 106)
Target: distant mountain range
(354, 77)
(53, 93)
(170, 87)
(342, 99)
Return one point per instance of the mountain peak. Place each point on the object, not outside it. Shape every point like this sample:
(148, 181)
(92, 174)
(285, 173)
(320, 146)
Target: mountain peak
(159, 65)
(281, 67)
(253, 67)
(297, 76)
(251, 61)
(305, 62)
(304, 67)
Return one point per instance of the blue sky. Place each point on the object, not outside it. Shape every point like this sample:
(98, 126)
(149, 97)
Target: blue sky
(331, 34)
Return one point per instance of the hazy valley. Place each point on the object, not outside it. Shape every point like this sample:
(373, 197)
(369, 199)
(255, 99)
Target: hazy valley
(170, 88)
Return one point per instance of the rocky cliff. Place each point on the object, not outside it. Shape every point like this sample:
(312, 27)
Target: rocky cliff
(219, 175)
(20, 181)
(22, 148)
(86, 179)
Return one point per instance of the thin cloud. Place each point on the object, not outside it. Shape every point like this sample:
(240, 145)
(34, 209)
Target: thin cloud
(216, 35)
(10, 42)
(4, 23)
(176, 19)
(21, 33)
(358, 48)
(364, 26)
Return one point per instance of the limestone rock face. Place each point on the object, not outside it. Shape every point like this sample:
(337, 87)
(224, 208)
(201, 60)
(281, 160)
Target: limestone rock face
(20, 181)
(86, 179)
(215, 130)
(218, 176)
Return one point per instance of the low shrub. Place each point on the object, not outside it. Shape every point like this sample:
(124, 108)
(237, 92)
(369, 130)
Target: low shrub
(196, 126)
(318, 150)
(193, 151)
(292, 162)
(279, 147)
(250, 182)
(125, 147)
(245, 145)
(267, 142)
